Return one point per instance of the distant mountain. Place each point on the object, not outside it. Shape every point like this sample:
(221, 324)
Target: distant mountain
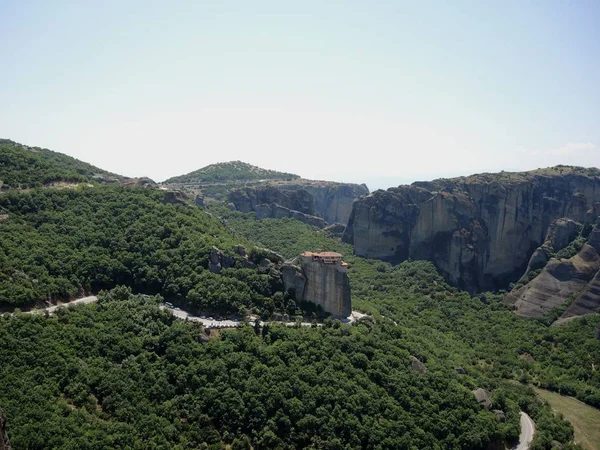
(24, 167)
(231, 171)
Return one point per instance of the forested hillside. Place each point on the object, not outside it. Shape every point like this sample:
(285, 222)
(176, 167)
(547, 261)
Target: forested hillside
(124, 374)
(58, 243)
(25, 167)
(478, 333)
(231, 171)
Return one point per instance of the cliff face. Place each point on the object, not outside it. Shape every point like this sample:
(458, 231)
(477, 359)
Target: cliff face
(480, 231)
(324, 284)
(575, 279)
(330, 201)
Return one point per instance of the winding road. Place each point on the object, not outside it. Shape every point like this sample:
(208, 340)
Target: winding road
(184, 315)
(527, 431)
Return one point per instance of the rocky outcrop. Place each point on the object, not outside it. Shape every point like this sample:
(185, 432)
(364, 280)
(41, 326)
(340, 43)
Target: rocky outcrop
(139, 182)
(417, 365)
(175, 198)
(320, 278)
(561, 232)
(219, 260)
(576, 279)
(4, 442)
(335, 230)
(330, 201)
(275, 211)
(480, 231)
(483, 398)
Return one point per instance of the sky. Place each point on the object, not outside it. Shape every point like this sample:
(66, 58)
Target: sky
(384, 92)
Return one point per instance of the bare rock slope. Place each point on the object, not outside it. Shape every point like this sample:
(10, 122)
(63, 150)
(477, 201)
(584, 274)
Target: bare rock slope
(480, 231)
(574, 282)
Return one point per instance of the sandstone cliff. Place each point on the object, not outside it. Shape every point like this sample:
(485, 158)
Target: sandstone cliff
(330, 201)
(481, 230)
(563, 280)
(276, 211)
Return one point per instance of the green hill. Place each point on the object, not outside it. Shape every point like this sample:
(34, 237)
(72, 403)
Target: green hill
(231, 171)
(25, 167)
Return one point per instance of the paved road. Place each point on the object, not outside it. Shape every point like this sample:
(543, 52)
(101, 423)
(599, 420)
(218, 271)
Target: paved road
(51, 309)
(232, 323)
(181, 314)
(527, 431)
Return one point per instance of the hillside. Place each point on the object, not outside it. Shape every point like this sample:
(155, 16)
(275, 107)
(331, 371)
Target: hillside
(230, 171)
(25, 167)
(124, 373)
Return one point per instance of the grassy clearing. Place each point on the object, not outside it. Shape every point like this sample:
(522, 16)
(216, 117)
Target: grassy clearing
(585, 419)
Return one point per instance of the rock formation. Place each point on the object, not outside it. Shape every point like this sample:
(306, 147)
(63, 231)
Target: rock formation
(4, 442)
(331, 201)
(321, 278)
(561, 232)
(576, 279)
(483, 398)
(417, 365)
(175, 197)
(480, 231)
(275, 211)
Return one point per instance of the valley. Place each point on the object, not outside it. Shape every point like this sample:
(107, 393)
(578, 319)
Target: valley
(122, 370)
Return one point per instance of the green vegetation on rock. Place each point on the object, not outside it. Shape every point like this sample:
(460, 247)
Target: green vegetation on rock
(231, 171)
(26, 167)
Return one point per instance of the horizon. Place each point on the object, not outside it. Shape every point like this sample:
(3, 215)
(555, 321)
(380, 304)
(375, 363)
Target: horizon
(376, 183)
(382, 95)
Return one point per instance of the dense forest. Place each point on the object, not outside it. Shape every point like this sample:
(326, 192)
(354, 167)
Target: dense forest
(231, 171)
(60, 243)
(125, 374)
(25, 167)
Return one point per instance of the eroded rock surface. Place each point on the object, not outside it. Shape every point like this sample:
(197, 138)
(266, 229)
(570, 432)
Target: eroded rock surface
(575, 280)
(275, 211)
(480, 231)
(330, 201)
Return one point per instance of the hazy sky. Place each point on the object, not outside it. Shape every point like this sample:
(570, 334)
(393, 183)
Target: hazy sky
(382, 92)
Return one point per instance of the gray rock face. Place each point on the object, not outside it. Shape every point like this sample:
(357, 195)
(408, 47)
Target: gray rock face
(483, 398)
(320, 281)
(500, 415)
(561, 232)
(480, 231)
(218, 260)
(199, 201)
(4, 442)
(275, 211)
(175, 197)
(335, 229)
(417, 365)
(331, 201)
(576, 278)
